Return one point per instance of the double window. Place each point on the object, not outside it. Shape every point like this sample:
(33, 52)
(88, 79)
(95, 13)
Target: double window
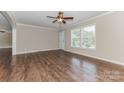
(84, 37)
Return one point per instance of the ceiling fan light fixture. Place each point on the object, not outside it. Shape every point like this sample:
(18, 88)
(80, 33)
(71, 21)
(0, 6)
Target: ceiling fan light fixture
(59, 20)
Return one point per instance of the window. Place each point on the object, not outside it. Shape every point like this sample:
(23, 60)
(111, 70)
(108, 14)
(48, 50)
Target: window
(84, 37)
(75, 38)
(88, 37)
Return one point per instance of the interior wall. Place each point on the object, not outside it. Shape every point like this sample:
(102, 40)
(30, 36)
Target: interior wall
(32, 38)
(6, 40)
(109, 38)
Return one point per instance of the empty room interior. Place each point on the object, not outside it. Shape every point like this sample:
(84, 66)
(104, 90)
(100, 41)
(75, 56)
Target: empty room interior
(61, 46)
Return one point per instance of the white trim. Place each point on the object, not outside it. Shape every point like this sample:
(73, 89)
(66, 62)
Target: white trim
(14, 41)
(80, 22)
(33, 51)
(12, 20)
(99, 58)
(40, 27)
(98, 16)
(92, 49)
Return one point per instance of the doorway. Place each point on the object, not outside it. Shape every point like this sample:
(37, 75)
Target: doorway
(5, 37)
(62, 40)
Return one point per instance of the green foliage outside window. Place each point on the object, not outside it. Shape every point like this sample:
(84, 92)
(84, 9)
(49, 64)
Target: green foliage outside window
(88, 40)
(84, 37)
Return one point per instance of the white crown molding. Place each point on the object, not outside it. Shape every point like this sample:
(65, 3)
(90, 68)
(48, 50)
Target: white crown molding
(40, 27)
(80, 22)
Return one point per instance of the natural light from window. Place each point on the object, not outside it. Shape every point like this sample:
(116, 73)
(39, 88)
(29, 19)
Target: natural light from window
(76, 35)
(84, 37)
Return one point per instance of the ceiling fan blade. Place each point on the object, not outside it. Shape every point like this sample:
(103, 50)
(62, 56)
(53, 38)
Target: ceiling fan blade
(68, 17)
(2, 31)
(51, 17)
(64, 21)
(54, 21)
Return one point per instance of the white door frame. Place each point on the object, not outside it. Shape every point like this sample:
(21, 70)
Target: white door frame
(62, 40)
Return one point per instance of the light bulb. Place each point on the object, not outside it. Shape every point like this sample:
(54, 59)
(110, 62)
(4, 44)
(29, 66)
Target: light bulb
(59, 20)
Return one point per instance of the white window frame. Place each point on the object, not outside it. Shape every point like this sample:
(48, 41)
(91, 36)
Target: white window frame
(81, 37)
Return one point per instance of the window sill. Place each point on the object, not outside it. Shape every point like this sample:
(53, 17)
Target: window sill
(93, 49)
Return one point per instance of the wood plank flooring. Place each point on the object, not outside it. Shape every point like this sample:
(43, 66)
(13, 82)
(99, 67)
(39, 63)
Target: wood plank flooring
(56, 66)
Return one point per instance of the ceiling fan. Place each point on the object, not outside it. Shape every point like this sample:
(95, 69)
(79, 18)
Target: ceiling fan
(2, 30)
(60, 18)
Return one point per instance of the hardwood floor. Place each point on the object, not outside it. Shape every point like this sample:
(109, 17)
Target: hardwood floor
(58, 66)
(5, 60)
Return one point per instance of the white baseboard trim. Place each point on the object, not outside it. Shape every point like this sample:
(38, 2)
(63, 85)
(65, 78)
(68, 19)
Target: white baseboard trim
(99, 58)
(33, 51)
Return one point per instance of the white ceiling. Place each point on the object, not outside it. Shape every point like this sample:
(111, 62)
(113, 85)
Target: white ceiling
(39, 18)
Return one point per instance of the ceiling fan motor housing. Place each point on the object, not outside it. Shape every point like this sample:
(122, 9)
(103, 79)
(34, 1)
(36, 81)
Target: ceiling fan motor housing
(60, 18)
